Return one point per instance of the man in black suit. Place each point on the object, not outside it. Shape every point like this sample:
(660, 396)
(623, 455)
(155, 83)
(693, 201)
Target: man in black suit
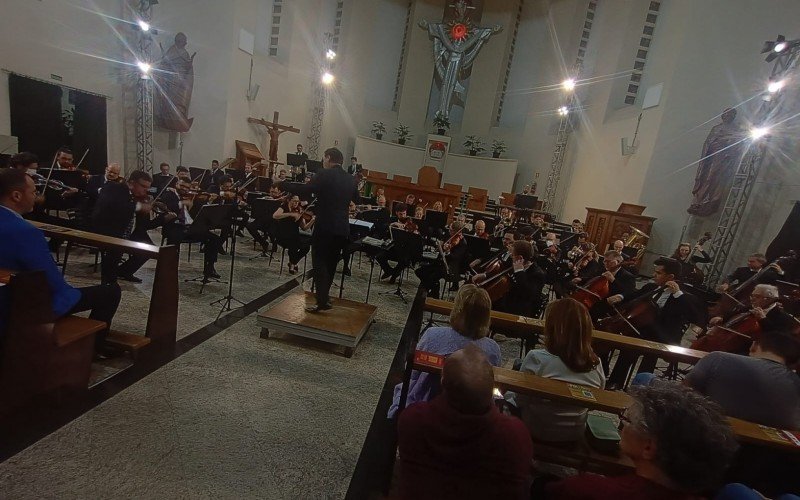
(527, 280)
(162, 178)
(430, 273)
(334, 190)
(754, 265)
(621, 284)
(212, 177)
(114, 212)
(96, 182)
(676, 310)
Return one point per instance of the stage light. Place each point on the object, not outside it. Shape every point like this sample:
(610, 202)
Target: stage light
(779, 47)
(568, 84)
(330, 55)
(327, 78)
(144, 67)
(757, 133)
(563, 111)
(775, 86)
(144, 25)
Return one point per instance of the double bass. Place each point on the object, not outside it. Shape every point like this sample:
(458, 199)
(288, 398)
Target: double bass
(695, 275)
(740, 297)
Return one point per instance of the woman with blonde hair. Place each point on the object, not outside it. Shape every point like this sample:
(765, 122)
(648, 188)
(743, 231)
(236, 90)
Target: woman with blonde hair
(567, 356)
(469, 323)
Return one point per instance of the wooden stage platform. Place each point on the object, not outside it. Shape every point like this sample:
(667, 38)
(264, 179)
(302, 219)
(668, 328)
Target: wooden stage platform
(344, 325)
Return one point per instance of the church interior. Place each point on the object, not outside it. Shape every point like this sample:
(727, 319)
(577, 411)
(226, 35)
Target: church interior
(400, 249)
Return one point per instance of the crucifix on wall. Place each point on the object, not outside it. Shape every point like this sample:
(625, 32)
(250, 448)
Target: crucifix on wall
(274, 129)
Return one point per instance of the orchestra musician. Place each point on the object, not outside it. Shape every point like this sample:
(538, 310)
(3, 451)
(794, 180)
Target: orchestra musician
(437, 207)
(454, 252)
(163, 176)
(538, 221)
(419, 213)
(480, 230)
(290, 221)
(527, 281)
(96, 182)
(755, 263)
(577, 226)
(689, 257)
(411, 201)
(675, 309)
(497, 261)
(212, 177)
(621, 284)
(64, 159)
(23, 248)
(114, 212)
(403, 222)
(248, 182)
(380, 200)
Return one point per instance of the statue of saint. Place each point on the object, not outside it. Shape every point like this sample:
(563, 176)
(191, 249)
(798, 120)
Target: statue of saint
(718, 162)
(173, 77)
(455, 46)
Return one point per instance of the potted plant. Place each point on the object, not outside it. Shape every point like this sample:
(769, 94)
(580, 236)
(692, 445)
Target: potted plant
(403, 132)
(498, 147)
(378, 129)
(441, 122)
(474, 145)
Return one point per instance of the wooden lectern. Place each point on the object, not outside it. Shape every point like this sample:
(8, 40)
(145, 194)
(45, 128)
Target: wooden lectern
(605, 226)
(248, 152)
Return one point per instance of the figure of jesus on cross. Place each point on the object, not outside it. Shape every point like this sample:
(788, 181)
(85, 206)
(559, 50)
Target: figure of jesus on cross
(274, 129)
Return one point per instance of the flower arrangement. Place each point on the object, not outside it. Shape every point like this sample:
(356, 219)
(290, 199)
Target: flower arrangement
(378, 129)
(403, 133)
(474, 145)
(498, 147)
(441, 122)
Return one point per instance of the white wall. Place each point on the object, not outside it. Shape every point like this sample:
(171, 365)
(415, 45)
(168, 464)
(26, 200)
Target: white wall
(70, 39)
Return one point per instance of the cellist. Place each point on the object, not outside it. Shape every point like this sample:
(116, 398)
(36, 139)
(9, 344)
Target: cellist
(675, 310)
(742, 326)
(621, 283)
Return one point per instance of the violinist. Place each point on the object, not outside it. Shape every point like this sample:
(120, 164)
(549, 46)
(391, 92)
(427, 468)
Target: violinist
(380, 200)
(500, 260)
(689, 257)
(114, 212)
(577, 226)
(163, 176)
(182, 173)
(248, 182)
(404, 223)
(480, 230)
(64, 159)
(419, 213)
(527, 281)
(754, 264)
(454, 253)
(262, 229)
(212, 177)
(438, 207)
(290, 221)
(675, 310)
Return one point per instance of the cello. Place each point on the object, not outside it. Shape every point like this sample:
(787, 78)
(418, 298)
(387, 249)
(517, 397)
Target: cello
(735, 335)
(740, 296)
(632, 316)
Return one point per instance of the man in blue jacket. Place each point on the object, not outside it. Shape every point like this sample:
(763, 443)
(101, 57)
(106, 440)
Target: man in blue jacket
(24, 248)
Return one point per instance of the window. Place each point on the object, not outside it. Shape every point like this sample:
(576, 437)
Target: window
(277, 10)
(642, 51)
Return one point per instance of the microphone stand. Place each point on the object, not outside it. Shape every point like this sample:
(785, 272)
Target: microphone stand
(226, 300)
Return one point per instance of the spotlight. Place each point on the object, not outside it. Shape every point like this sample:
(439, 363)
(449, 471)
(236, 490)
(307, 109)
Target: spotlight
(775, 86)
(563, 111)
(568, 84)
(330, 54)
(144, 68)
(779, 47)
(757, 133)
(327, 78)
(144, 25)
(776, 48)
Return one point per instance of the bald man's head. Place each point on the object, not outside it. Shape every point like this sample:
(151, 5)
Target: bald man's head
(468, 380)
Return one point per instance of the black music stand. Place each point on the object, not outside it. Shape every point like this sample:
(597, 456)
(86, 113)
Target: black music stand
(313, 166)
(479, 248)
(358, 230)
(234, 217)
(210, 217)
(295, 160)
(525, 201)
(408, 248)
(380, 218)
(434, 223)
(196, 172)
(235, 173)
(262, 210)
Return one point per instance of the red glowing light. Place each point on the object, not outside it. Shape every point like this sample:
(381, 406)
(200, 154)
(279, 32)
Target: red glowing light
(459, 32)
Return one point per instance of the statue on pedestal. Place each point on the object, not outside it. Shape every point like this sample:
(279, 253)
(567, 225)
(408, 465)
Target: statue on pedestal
(721, 154)
(455, 46)
(174, 79)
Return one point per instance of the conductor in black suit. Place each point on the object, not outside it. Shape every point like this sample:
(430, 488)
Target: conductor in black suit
(114, 212)
(334, 189)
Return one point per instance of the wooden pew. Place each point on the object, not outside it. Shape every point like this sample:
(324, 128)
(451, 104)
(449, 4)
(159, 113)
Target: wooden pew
(524, 326)
(162, 317)
(609, 401)
(44, 360)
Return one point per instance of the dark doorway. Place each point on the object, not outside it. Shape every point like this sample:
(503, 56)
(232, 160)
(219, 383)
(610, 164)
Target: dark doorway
(45, 117)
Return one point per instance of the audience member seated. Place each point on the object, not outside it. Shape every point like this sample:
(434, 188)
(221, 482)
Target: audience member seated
(567, 356)
(459, 445)
(679, 442)
(23, 248)
(760, 387)
(469, 324)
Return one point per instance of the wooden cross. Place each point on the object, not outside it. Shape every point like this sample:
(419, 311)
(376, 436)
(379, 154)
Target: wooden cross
(274, 129)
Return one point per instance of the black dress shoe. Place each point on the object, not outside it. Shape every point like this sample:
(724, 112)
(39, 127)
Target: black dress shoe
(211, 273)
(130, 277)
(385, 275)
(318, 308)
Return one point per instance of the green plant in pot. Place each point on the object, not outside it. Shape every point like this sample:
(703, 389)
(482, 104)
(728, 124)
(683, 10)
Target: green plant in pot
(441, 122)
(378, 129)
(474, 145)
(403, 133)
(498, 147)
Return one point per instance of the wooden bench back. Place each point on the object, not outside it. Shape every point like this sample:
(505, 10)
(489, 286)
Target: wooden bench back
(608, 401)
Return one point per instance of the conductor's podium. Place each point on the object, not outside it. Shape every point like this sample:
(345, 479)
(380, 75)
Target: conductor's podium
(344, 325)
